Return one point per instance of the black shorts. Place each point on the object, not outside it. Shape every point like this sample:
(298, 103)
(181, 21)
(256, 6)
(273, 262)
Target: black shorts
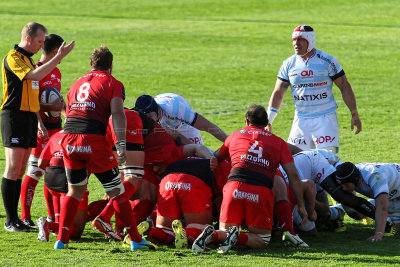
(19, 128)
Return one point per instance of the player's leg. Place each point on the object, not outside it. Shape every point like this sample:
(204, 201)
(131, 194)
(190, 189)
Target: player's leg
(282, 208)
(326, 134)
(300, 135)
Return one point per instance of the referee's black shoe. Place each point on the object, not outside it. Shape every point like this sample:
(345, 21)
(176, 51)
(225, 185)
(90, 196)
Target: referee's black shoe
(16, 226)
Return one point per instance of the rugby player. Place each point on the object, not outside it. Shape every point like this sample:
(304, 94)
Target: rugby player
(91, 101)
(380, 181)
(255, 155)
(176, 115)
(310, 74)
(52, 124)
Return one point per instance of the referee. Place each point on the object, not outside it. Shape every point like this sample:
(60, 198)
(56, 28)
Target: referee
(19, 113)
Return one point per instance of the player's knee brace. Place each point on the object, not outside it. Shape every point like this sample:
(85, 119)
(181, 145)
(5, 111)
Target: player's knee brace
(111, 180)
(133, 171)
(265, 237)
(34, 172)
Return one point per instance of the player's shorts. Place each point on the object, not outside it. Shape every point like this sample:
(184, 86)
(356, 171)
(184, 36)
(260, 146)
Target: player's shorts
(19, 128)
(319, 132)
(191, 133)
(88, 151)
(251, 204)
(42, 142)
(297, 220)
(394, 211)
(183, 193)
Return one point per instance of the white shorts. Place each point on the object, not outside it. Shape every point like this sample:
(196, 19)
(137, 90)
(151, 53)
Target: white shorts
(191, 133)
(319, 132)
(308, 226)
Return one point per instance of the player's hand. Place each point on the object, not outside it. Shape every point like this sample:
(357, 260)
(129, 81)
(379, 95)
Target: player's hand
(121, 152)
(42, 131)
(313, 216)
(64, 50)
(355, 121)
(303, 214)
(213, 164)
(269, 127)
(58, 105)
(376, 237)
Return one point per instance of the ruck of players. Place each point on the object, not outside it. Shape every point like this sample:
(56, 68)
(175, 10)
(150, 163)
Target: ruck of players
(163, 186)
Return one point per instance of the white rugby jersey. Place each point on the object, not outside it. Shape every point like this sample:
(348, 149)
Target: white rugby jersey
(311, 82)
(176, 111)
(330, 156)
(311, 165)
(378, 178)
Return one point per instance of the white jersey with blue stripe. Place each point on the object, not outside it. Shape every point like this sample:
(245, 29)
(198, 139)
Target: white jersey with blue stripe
(176, 111)
(311, 82)
(378, 178)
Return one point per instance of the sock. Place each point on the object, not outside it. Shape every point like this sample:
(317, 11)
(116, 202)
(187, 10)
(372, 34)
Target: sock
(27, 192)
(49, 201)
(69, 207)
(142, 210)
(283, 212)
(53, 227)
(123, 210)
(8, 188)
(108, 211)
(95, 208)
(192, 233)
(18, 184)
(243, 239)
(56, 200)
(129, 189)
(160, 235)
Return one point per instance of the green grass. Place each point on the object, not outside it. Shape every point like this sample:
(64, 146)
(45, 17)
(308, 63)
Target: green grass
(223, 56)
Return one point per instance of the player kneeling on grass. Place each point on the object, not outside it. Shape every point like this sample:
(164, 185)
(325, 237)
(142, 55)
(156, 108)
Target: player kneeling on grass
(380, 181)
(185, 191)
(255, 155)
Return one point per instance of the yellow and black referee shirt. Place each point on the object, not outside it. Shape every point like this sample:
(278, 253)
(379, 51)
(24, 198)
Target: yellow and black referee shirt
(19, 93)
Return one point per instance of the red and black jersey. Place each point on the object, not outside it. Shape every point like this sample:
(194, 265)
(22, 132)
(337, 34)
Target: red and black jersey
(255, 155)
(89, 98)
(53, 79)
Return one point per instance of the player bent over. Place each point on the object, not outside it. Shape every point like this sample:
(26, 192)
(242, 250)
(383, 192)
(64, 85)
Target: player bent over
(255, 155)
(91, 101)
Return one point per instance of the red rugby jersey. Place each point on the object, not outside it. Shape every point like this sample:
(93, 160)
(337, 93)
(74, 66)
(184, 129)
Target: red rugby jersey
(255, 155)
(89, 98)
(53, 152)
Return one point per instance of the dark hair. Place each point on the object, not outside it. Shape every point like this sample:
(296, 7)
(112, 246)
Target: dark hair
(52, 41)
(146, 104)
(101, 58)
(347, 173)
(32, 28)
(256, 115)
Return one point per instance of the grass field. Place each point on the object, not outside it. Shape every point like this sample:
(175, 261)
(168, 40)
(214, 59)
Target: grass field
(223, 56)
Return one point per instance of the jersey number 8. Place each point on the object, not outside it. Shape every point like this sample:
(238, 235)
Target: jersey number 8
(83, 93)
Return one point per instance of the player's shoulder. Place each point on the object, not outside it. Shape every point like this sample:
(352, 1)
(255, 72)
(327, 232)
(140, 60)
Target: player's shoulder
(323, 56)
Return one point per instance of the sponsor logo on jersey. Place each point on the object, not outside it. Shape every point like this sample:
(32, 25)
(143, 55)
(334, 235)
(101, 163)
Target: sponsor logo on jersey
(53, 76)
(320, 174)
(304, 85)
(178, 186)
(46, 83)
(324, 139)
(15, 140)
(245, 195)
(255, 160)
(58, 154)
(307, 74)
(196, 140)
(79, 149)
(297, 141)
(255, 132)
(83, 105)
(310, 97)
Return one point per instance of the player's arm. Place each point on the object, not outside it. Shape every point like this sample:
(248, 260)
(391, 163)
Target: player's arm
(295, 185)
(381, 212)
(42, 131)
(294, 149)
(58, 105)
(203, 124)
(276, 99)
(359, 204)
(197, 150)
(350, 99)
(119, 125)
(42, 71)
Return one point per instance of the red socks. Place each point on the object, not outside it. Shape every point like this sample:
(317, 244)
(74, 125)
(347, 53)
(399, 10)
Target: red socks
(192, 233)
(27, 192)
(161, 236)
(69, 207)
(124, 212)
(283, 212)
(142, 210)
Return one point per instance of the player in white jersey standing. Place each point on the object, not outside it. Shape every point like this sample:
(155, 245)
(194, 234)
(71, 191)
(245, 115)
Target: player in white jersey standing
(176, 115)
(380, 181)
(310, 74)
